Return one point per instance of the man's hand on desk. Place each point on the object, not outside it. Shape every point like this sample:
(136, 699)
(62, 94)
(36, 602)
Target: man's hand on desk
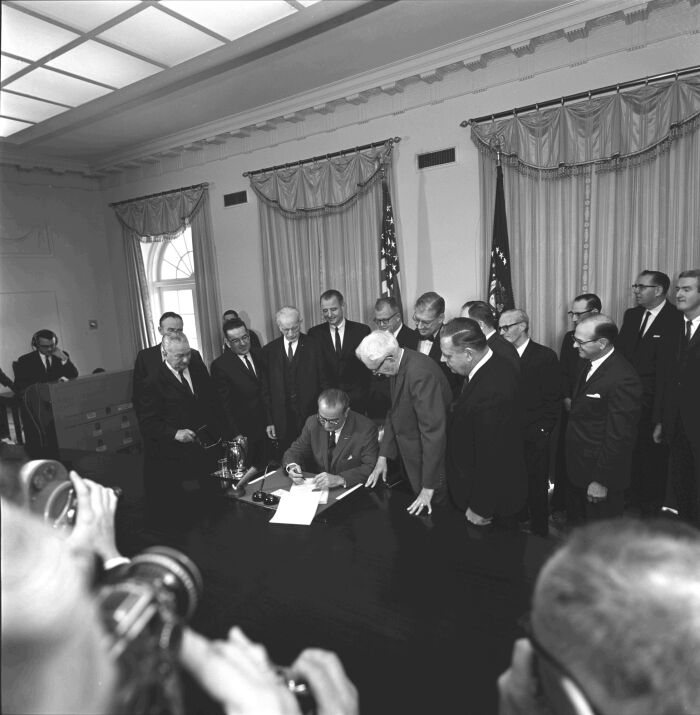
(378, 471)
(422, 502)
(294, 472)
(185, 435)
(324, 480)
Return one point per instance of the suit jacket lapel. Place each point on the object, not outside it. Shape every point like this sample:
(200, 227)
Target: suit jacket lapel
(344, 441)
(396, 381)
(170, 376)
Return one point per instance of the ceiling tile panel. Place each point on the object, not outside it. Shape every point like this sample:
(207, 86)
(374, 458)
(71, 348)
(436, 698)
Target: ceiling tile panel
(10, 66)
(231, 19)
(79, 14)
(45, 84)
(33, 110)
(103, 64)
(161, 37)
(10, 126)
(29, 37)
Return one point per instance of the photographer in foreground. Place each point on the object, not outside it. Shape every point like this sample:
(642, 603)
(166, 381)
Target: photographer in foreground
(57, 656)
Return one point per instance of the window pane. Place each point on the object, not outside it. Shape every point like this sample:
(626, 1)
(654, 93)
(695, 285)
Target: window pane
(185, 299)
(181, 301)
(176, 259)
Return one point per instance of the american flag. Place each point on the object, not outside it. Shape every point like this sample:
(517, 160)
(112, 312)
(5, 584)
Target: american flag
(500, 284)
(389, 256)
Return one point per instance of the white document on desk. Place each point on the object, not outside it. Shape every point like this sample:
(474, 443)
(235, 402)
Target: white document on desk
(297, 508)
(308, 487)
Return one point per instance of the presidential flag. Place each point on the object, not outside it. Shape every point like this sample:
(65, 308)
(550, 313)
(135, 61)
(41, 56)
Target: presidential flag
(389, 256)
(500, 284)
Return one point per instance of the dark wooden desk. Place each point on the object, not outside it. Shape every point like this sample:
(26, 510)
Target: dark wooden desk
(422, 611)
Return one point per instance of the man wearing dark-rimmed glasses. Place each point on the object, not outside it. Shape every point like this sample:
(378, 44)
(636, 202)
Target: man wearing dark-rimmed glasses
(614, 627)
(338, 445)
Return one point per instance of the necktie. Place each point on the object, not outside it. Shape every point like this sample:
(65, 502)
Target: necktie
(688, 325)
(181, 373)
(48, 363)
(643, 327)
(337, 341)
(249, 365)
(430, 338)
(290, 353)
(331, 447)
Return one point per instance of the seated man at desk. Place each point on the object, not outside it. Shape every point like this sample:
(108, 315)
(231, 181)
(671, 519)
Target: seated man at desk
(337, 443)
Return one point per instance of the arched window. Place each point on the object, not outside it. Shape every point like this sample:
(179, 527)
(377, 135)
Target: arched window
(171, 281)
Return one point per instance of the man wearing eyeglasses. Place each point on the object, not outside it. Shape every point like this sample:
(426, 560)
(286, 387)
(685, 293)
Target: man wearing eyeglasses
(614, 627)
(540, 391)
(415, 426)
(646, 335)
(340, 446)
(238, 377)
(429, 315)
(571, 364)
(602, 427)
(481, 312)
(387, 317)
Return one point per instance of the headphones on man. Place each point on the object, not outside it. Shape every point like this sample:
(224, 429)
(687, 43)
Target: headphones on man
(46, 335)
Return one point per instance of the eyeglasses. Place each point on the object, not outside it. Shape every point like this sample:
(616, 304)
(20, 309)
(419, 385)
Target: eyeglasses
(641, 286)
(424, 323)
(240, 341)
(583, 342)
(572, 313)
(542, 654)
(504, 328)
(379, 367)
(330, 423)
(386, 321)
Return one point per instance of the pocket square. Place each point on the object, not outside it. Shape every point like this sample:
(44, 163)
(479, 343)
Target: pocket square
(349, 457)
(595, 395)
(655, 336)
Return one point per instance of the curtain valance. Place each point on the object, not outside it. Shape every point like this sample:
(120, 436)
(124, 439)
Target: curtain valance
(323, 186)
(610, 131)
(160, 217)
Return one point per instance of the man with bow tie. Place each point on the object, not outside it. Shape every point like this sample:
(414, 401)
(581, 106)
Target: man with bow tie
(238, 377)
(338, 445)
(602, 426)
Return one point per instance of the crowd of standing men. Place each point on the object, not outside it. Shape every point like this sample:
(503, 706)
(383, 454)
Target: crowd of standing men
(466, 409)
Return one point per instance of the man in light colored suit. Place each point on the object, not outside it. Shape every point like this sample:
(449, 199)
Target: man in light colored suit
(415, 426)
(339, 444)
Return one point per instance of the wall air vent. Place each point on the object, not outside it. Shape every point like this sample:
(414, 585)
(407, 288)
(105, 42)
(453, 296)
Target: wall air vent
(435, 158)
(237, 197)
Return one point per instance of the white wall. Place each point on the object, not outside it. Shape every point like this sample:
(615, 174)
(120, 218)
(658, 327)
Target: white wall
(437, 210)
(58, 277)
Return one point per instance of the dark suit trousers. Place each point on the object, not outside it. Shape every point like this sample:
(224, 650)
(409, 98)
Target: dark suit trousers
(581, 511)
(684, 474)
(561, 483)
(649, 468)
(537, 466)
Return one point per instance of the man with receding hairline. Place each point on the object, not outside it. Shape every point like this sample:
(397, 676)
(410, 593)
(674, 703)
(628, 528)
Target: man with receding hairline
(602, 424)
(485, 465)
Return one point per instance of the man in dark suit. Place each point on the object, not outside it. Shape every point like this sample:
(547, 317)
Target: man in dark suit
(294, 378)
(340, 446)
(415, 425)
(387, 316)
(233, 315)
(178, 407)
(676, 413)
(485, 465)
(149, 360)
(429, 315)
(338, 339)
(648, 331)
(541, 397)
(238, 377)
(46, 363)
(602, 425)
(483, 314)
(571, 364)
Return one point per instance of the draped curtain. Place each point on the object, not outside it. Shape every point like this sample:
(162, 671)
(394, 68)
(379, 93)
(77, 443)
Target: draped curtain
(596, 191)
(162, 218)
(320, 224)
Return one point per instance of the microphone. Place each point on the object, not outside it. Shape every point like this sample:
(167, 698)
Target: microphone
(239, 489)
